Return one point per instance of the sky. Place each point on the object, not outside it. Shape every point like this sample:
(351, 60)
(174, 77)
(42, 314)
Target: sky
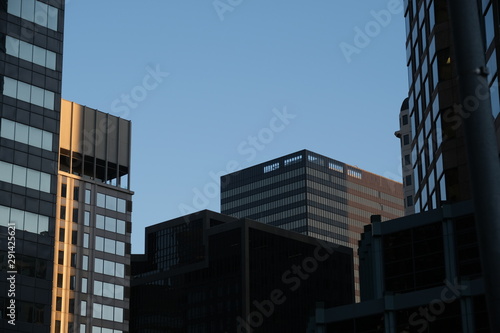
(210, 85)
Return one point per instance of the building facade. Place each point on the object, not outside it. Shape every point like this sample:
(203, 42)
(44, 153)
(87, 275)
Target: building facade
(438, 155)
(314, 195)
(93, 223)
(208, 272)
(31, 44)
(420, 273)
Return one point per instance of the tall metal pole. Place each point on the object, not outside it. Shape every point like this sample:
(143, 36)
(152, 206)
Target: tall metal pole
(481, 144)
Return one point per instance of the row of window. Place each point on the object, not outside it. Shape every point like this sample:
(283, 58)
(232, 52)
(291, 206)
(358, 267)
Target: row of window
(96, 329)
(29, 52)
(24, 220)
(28, 93)
(271, 167)
(18, 175)
(26, 134)
(34, 11)
(283, 215)
(110, 224)
(110, 268)
(263, 195)
(112, 203)
(109, 246)
(109, 290)
(262, 183)
(107, 312)
(270, 205)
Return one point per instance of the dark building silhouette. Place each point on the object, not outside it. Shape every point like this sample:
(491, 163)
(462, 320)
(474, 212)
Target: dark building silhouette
(31, 44)
(208, 272)
(420, 273)
(314, 195)
(433, 144)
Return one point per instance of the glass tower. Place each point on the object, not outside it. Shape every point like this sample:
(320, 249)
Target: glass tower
(31, 43)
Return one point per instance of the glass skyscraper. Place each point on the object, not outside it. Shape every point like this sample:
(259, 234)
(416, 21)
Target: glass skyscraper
(31, 43)
(436, 137)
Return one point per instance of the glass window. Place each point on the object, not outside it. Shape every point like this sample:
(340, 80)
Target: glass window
(119, 292)
(121, 206)
(109, 268)
(98, 265)
(85, 263)
(98, 288)
(120, 270)
(99, 243)
(489, 26)
(101, 200)
(109, 245)
(86, 240)
(19, 175)
(110, 224)
(118, 315)
(9, 87)
(83, 310)
(87, 197)
(108, 290)
(84, 285)
(97, 313)
(7, 129)
(14, 7)
(86, 218)
(110, 202)
(120, 248)
(107, 312)
(120, 227)
(6, 172)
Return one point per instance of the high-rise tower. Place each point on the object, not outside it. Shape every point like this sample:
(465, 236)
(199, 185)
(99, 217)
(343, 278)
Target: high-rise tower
(31, 38)
(313, 195)
(438, 154)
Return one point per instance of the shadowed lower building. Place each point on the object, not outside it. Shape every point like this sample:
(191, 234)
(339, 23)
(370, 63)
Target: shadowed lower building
(419, 273)
(314, 195)
(208, 272)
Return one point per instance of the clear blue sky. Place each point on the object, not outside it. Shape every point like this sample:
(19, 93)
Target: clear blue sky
(228, 68)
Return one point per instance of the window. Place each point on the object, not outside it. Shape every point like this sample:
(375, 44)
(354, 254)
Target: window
(84, 285)
(29, 52)
(406, 139)
(107, 312)
(21, 176)
(109, 246)
(109, 290)
(408, 181)
(86, 240)
(63, 190)
(87, 197)
(24, 220)
(83, 309)
(110, 268)
(404, 120)
(59, 280)
(112, 203)
(85, 263)
(28, 93)
(407, 160)
(34, 11)
(76, 193)
(86, 218)
(62, 212)
(110, 224)
(75, 215)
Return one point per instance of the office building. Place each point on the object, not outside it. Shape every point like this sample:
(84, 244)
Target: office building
(420, 273)
(93, 223)
(438, 154)
(208, 272)
(31, 44)
(314, 195)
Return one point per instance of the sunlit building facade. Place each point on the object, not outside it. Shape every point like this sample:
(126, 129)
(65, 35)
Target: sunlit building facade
(31, 44)
(314, 195)
(93, 223)
(438, 154)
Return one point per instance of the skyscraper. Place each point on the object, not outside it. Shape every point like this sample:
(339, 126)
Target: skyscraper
(31, 38)
(93, 223)
(438, 156)
(313, 195)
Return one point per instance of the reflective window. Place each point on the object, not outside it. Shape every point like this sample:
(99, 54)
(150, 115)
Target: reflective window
(34, 11)
(86, 218)
(110, 224)
(32, 53)
(87, 197)
(109, 268)
(489, 26)
(109, 290)
(85, 263)
(86, 240)
(109, 246)
(84, 285)
(28, 93)
(83, 309)
(24, 220)
(110, 202)
(26, 134)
